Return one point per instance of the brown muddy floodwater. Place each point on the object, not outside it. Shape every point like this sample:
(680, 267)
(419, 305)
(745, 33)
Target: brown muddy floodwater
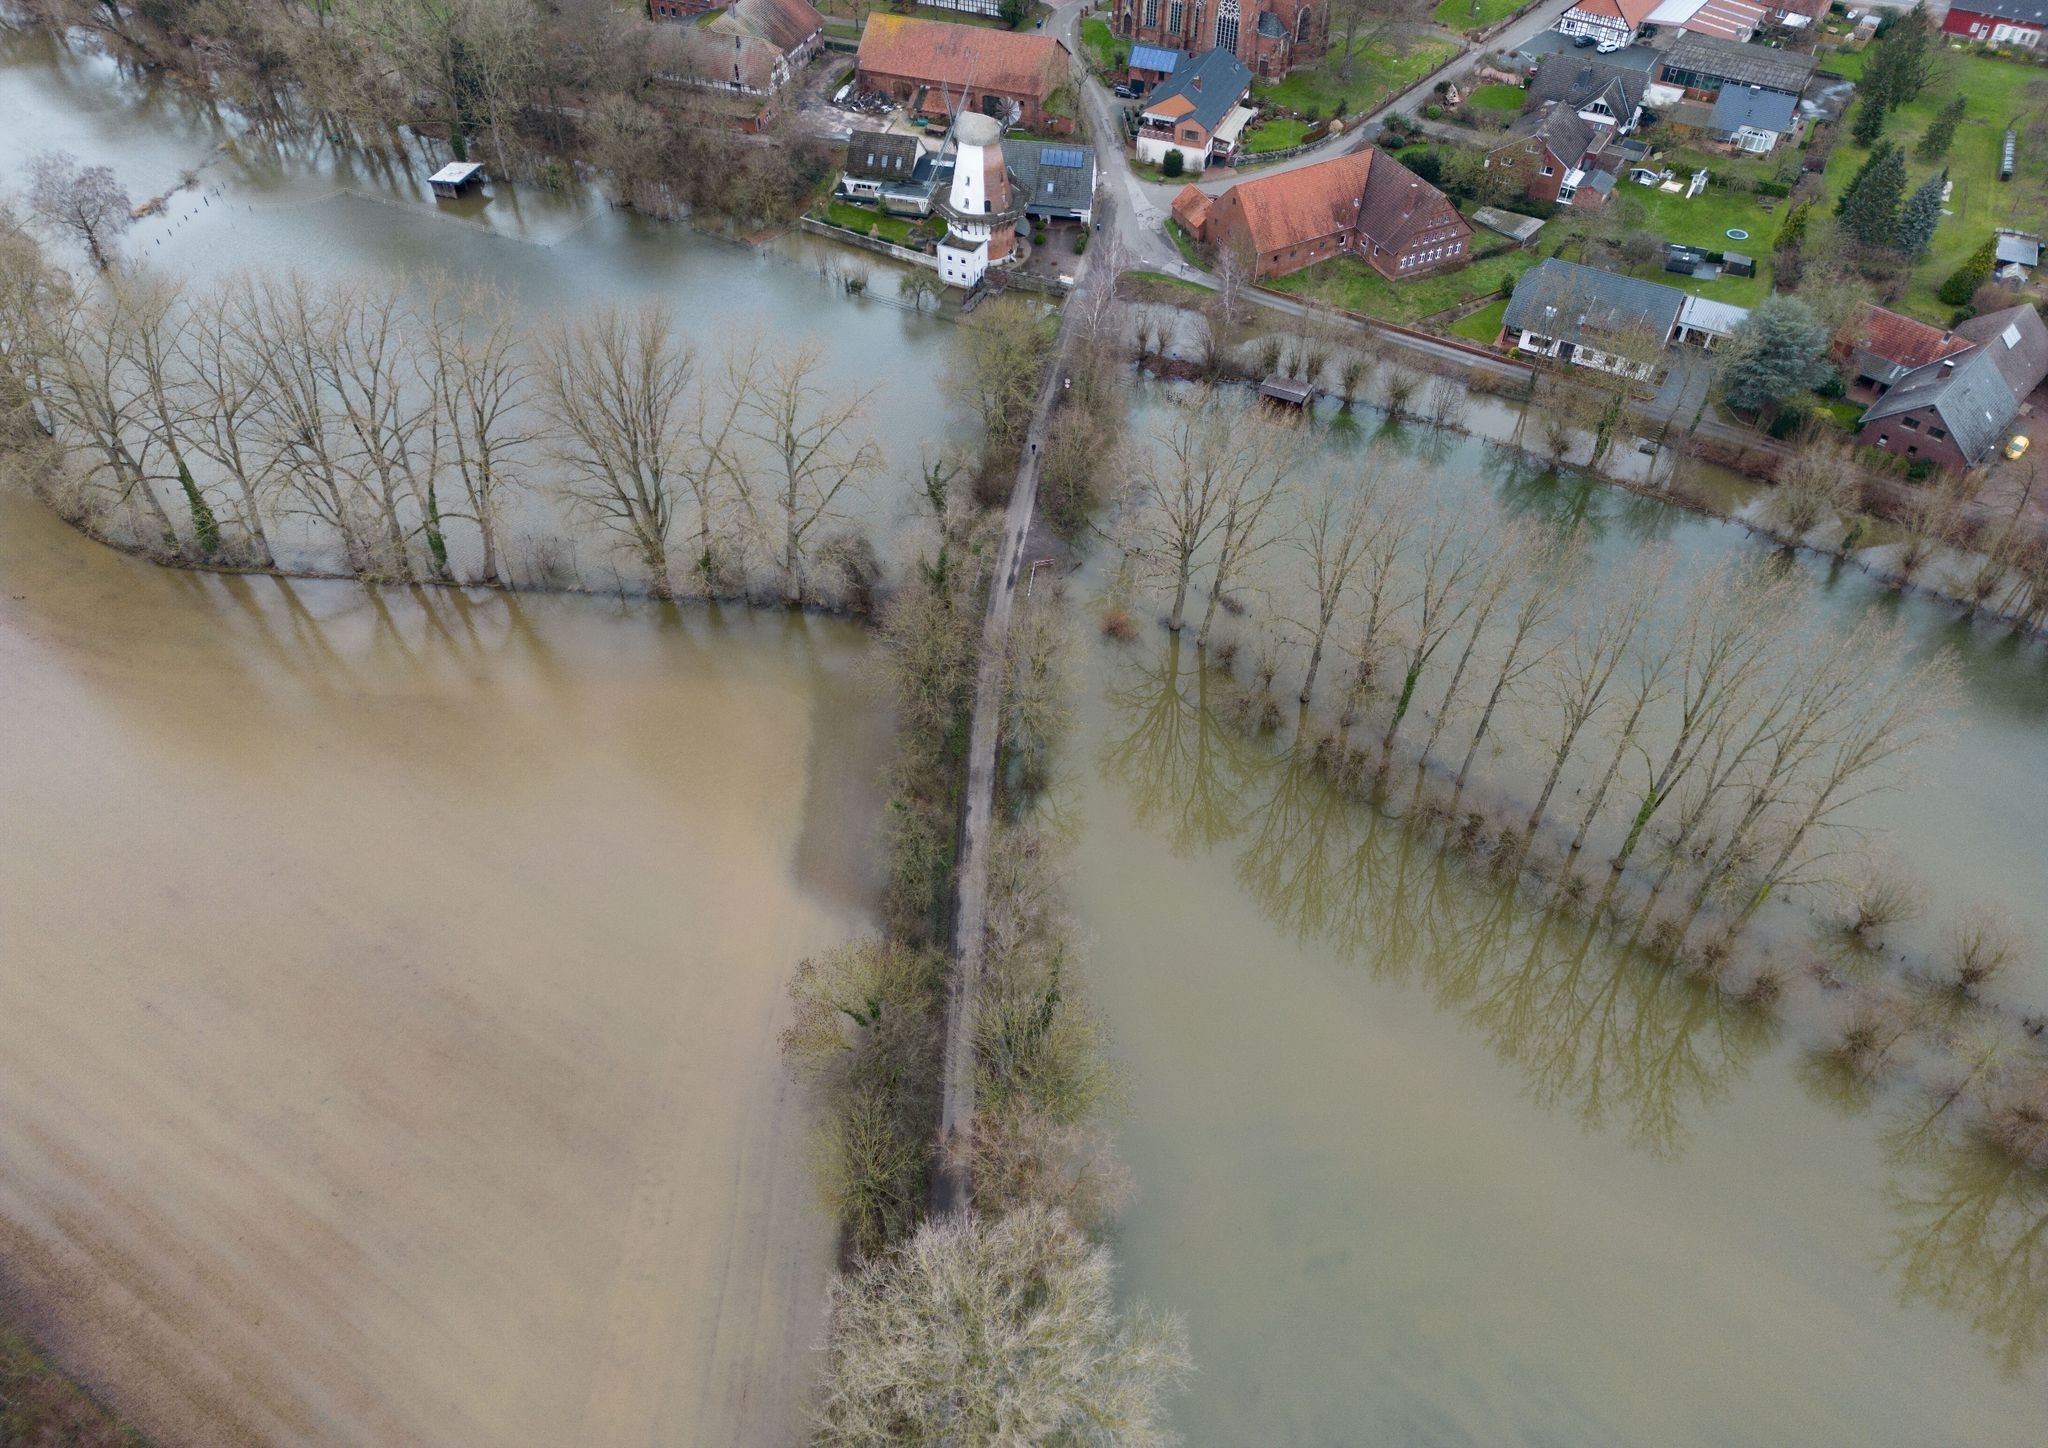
(392, 985)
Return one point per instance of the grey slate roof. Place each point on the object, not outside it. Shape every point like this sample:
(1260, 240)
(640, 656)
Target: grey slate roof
(1971, 398)
(2026, 12)
(2017, 341)
(1052, 176)
(882, 155)
(1766, 110)
(1573, 303)
(2017, 246)
(1737, 64)
(1212, 82)
(1571, 78)
(1559, 127)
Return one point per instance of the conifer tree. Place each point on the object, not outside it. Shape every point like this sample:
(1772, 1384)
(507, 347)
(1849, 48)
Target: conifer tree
(1869, 118)
(1921, 216)
(1775, 355)
(1963, 282)
(1941, 130)
(1869, 209)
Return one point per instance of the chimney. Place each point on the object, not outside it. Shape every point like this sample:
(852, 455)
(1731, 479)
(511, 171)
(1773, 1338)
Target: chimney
(1198, 83)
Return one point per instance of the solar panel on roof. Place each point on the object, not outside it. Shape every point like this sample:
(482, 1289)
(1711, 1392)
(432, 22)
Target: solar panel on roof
(1060, 156)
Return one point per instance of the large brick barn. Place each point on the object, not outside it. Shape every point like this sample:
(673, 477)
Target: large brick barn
(1367, 204)
(941, 68)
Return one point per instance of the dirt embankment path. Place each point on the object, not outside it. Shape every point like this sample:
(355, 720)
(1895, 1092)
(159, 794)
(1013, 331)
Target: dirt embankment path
(388, 1001)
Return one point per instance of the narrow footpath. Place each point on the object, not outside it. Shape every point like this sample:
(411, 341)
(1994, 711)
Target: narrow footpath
(952, 1181)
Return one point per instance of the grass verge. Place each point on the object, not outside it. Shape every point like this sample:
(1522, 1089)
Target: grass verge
(1349, 283)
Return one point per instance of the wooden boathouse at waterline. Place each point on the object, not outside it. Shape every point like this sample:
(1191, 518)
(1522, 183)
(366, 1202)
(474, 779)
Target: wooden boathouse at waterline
(457, 178)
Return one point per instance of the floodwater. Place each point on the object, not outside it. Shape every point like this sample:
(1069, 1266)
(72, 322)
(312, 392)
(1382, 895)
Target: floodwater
(1422, 1165)
(392, 983)
(392, 989)
(258, 203)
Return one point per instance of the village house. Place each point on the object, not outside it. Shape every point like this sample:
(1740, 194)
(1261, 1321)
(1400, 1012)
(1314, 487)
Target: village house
(1956, 411)
(1746, 118)
(1366, 204)
(1999, 22)
(1559, 156)
(1054, 179)
(1876, 347)
(876, 158)
(1799, 14)
(1151, 64)
(752, 48)
(1736, 20)
(1703, 66)
(1593, 318)
(1611, 23)
(1270, 37)
(1196, 111)
(1603, 94)
(943, 69)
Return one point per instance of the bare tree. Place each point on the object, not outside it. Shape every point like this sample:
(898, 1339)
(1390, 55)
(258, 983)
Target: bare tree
(152, 348)
(82, 202)
(1002, 1331)
(227, 383)
(1251, 483)
(474, 358)
(816, 459)
(1583, 669)
(1182, 484)
(1556, 574)
(1330, 536)
(387, 415)
(289, 329)
(1733, 616)
(1510, 554)
(616, 387)
(1449, 561)
(1000, 357)
(1236, 266)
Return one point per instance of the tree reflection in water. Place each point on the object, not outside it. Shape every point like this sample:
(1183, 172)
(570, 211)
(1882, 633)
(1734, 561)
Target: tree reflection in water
(1594, 1028)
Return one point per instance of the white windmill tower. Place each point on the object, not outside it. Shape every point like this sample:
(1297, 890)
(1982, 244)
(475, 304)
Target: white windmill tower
(980, 208)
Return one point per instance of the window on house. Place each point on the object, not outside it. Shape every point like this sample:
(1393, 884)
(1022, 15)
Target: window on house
(1151, 14)
(1550, 170)
(1173, 18)
(1912, 451)
(1910, 424)
(1884, 439)
(1937, 433)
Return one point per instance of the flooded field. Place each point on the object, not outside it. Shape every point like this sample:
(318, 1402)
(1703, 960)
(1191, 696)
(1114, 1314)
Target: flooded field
(1423, 1163)
(393, 983)
(394, 976)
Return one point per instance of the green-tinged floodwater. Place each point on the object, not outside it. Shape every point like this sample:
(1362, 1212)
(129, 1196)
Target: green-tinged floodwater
(1422, 1165)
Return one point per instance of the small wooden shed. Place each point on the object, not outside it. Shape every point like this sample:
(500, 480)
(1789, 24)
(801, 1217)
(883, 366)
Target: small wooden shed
(457, 178)
(1286, 390)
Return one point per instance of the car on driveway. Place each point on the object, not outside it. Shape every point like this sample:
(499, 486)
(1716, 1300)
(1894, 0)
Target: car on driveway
(1125, 91)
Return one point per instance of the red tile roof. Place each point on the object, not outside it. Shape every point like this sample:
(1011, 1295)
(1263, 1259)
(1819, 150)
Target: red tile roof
(1017, 63)
(1368, 189)
(1910, 344)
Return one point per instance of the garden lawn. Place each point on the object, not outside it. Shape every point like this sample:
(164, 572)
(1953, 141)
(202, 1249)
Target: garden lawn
(1473, 14)
(1483, 325)
(1506, 99)
(1105, 51)
(1981, 203)
(1274, 136)
(1347, 282)
(860, 218)
(1378, 74)
(1186, 245)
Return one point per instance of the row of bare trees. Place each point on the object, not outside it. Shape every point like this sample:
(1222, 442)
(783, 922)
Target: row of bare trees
(378, 419)
(1706, 717)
